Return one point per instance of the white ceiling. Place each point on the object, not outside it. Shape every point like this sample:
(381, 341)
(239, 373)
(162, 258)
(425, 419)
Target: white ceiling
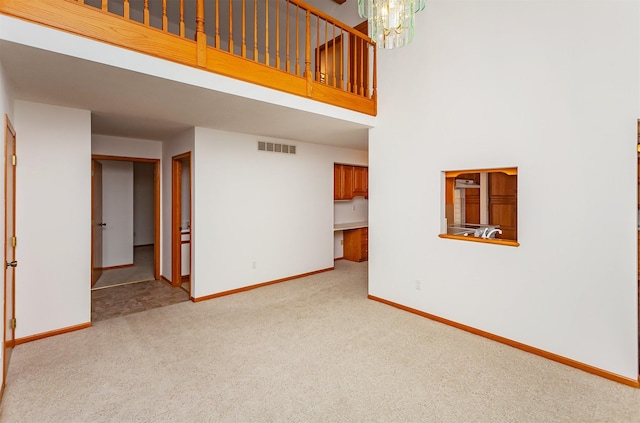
(130, 104)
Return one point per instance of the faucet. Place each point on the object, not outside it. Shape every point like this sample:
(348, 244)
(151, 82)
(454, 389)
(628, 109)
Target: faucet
(491, 233)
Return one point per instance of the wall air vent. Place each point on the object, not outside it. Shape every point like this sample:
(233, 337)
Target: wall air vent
(276, 147)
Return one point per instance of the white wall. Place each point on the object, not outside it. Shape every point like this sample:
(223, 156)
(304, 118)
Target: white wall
(549, 87)
(125, 147)
(271, 209)
(53, 217)
(143, 203)
(181, 144)
(117, 213)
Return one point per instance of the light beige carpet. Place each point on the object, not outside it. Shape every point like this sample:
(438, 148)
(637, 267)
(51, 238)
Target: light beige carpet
(306, 350)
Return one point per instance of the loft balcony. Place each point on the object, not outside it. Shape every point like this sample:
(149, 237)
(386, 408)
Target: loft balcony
(280, 44)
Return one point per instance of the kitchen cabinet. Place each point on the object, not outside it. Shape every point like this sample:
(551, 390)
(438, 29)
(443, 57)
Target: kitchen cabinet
(503, 204)
(360, 181)
(356, 244)
(342, 182)
(350, 181)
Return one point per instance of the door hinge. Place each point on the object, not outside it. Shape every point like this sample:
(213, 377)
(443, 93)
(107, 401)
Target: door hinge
(13, 323)
(14, 160)
(14, 241)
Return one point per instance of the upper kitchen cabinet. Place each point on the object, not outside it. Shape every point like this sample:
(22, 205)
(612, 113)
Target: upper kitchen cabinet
(350, 181)
(342, 182)
(360, 181)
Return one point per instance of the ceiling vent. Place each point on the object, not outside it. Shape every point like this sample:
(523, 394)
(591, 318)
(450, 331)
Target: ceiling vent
(276, 147)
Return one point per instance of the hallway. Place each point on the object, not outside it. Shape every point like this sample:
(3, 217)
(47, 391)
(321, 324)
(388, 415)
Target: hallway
(129, 290)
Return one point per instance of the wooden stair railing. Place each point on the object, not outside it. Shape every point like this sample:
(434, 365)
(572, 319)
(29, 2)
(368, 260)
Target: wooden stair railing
(281, 44)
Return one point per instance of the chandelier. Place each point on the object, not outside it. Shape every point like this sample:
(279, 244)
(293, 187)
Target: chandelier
(390, 21)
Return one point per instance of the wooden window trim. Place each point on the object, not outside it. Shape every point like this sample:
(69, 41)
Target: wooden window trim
(507, 242)
(449, 188)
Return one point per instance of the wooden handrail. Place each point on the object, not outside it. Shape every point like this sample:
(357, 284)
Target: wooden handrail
(332, 62)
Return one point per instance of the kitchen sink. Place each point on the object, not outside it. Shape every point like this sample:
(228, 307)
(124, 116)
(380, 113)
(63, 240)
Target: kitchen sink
(469, 229)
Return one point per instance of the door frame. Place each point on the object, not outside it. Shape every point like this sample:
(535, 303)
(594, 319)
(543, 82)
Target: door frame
(176, 212)
(156, 203)
(96, 180)
(8, 342)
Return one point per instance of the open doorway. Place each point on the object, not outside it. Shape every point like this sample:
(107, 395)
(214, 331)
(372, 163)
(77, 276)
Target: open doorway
(126, 230)
(181, 221)
(125, 219)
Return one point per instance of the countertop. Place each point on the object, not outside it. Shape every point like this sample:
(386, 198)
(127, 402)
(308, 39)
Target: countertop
(350, 225)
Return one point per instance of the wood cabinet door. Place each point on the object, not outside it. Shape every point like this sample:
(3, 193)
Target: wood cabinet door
(359, 181)
(503, 204)
(356, 244)
(337, 185)
(342, 182)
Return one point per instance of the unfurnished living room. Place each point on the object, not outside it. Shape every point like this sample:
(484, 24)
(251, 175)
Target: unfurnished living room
(321, 210)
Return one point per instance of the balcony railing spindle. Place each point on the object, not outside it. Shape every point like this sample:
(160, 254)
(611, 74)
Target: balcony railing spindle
(230, 26)
(165, 19)
(326, 52)
(319, 53)
(298, 40)
(277, 34)
(351, 47)
(287, 45)
(255, 30)
(266, 32)
(244, 29)
(181, 17)
(201, 37)
(374, 73)
(217, 24)
(105, 5)
(333, 60)
(145, 18)
(125, 9)
(362, 68)
(307, 56)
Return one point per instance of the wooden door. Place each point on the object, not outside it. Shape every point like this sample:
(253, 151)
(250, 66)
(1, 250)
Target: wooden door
(10, 243)
(503, 204)
(176, 217)
(176, 238)
(96, 221)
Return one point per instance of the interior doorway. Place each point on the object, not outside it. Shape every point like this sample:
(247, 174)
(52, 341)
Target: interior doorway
(145, 244)
(10, 163)
(181, 221)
